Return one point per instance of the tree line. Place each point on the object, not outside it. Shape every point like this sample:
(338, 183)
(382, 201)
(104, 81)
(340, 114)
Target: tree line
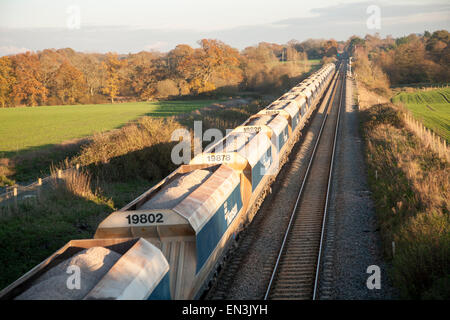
(64, 76)
(416, 58)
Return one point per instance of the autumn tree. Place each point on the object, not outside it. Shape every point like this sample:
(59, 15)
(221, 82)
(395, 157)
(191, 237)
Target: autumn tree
(215, 58)
(144, 70)
(370, 73)
(261, 53)
(93, 73)
(166, 88)
(29, 88)
(198, 66)
(112, 66)
(7, 81)
(49, 61)
(330, 48)
(314, 48)
(438, 50)
(69, 84)
(178, 65)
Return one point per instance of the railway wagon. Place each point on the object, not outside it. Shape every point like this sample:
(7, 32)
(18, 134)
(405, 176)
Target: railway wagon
(306, 93)
(312, 85)
(250, 153)
(320, 78)
(275, 126)
(297, 102)
(141, 272)
(291, 110)
(195, 228)
(190, 217)
(288, 96)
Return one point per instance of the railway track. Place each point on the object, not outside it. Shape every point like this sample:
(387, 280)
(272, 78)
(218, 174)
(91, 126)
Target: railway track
(297, 268)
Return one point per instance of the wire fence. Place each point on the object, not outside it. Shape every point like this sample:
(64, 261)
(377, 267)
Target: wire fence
(428, 137)
(424, 86)
(16, 193)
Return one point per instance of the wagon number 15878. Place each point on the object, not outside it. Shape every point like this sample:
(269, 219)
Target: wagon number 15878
(145, 218)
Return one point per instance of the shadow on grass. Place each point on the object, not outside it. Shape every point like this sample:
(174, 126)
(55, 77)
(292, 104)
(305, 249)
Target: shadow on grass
(37, 228)
(31, 163)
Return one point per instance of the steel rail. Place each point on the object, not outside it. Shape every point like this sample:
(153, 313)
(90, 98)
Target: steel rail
(316, 281)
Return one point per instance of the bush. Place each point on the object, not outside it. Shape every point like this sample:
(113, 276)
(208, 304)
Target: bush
(4, 181)
(371, 74)
(140, 150)
(166, 88)
(423, 260)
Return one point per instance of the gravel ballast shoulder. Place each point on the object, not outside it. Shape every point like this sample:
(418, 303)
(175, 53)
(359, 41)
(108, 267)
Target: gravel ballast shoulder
(352, 240)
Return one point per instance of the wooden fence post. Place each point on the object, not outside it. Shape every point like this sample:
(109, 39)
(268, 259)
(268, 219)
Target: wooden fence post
(15, 197)
(434, 140)
(393, 248)
(429, 138)
(39, 183)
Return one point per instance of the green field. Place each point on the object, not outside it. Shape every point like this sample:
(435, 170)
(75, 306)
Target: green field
(431, 107)
(29, 128)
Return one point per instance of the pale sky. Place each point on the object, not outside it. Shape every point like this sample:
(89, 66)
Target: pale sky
(159, 14)
(133, 25)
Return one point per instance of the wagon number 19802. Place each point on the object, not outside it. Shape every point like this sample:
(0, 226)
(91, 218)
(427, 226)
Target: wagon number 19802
(145, 218)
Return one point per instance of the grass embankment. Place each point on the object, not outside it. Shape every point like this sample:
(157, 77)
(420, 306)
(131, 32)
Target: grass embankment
(431, 107)
(410, 187)
(119, 167)
(31, 139)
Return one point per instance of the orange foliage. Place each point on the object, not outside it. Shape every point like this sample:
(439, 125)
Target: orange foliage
(7, 80)
(29, 88)
(112, 66)
(69, 83)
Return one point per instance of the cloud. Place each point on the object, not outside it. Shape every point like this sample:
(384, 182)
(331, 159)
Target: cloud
(157, 46)
(8, 50)
(337, 21)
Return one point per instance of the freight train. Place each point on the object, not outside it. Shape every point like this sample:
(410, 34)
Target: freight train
(172, 238)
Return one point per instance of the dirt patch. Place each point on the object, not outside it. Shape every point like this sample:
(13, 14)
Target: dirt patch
(369, 98)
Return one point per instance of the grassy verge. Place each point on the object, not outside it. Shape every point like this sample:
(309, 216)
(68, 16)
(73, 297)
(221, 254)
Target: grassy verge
(410, 187)
(432, 107)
